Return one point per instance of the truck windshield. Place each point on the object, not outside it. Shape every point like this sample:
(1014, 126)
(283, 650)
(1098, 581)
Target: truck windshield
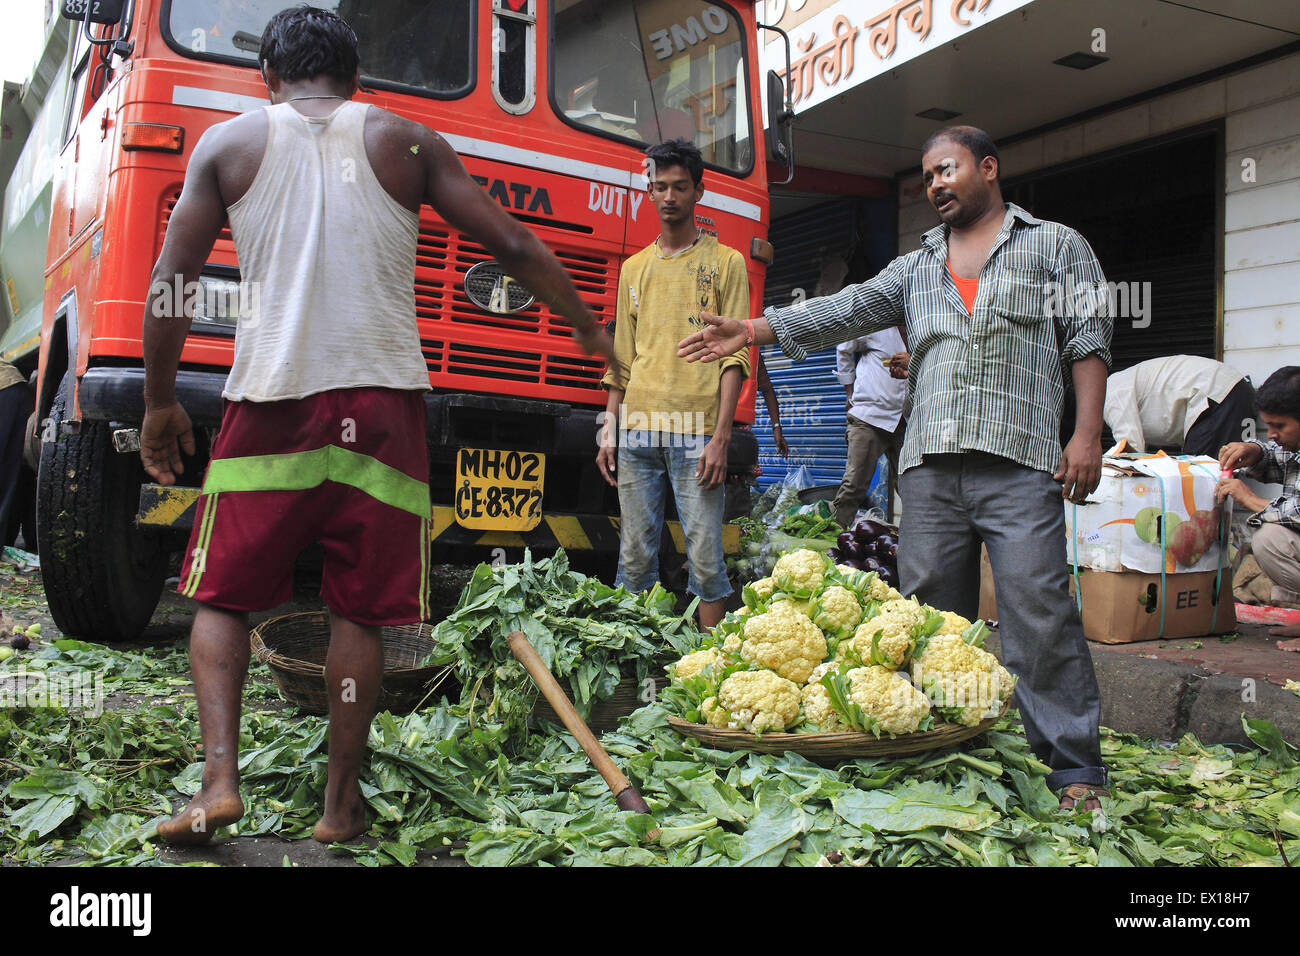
(653, 70)
(409, 43)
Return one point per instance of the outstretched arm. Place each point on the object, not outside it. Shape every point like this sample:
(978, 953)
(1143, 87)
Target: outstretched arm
(808, 326)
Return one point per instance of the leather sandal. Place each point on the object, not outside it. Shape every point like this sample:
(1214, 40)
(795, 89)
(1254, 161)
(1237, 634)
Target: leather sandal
(1087, 792)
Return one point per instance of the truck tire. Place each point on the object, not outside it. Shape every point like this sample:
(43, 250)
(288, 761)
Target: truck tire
(102, 576)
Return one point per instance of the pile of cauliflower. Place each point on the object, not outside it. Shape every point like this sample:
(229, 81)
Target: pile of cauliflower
(826, 648)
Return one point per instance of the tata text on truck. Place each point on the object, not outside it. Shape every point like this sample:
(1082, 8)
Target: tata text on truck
(548, 103)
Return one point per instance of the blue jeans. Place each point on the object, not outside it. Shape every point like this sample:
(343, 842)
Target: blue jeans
(647, 463)
(950, 504)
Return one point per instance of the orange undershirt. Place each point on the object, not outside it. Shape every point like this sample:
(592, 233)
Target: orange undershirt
(966, 288)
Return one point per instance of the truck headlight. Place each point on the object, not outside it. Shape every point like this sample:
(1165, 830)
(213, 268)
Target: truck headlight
(217, 309)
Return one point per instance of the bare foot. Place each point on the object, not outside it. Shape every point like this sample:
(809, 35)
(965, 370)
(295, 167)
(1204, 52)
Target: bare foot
(1289, 630)
(340, 824)
(206, 813)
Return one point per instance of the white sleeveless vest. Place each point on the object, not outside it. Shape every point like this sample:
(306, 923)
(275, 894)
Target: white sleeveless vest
(327, 262)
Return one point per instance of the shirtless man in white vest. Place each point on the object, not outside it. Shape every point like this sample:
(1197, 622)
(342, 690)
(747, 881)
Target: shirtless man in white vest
(323, 198)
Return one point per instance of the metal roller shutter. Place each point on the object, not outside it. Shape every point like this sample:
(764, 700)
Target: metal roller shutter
(1149, 213)
(811, 399)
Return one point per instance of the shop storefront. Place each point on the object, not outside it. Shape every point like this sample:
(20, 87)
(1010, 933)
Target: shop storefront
(1168, 134)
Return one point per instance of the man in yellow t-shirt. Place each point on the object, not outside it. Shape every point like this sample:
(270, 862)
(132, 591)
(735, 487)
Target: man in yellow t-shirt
(673, 419)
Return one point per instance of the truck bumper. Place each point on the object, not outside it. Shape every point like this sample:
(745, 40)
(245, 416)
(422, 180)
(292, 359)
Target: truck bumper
(171, 508)
(117, 394)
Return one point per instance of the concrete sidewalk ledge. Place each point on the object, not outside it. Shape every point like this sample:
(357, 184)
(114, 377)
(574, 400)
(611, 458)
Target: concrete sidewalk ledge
(1162, 700)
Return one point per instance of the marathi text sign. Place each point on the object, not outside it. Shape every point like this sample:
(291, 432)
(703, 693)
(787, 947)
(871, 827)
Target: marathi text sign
(827, 57)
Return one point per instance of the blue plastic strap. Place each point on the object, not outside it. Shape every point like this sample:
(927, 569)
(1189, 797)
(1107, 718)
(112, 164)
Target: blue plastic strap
(1222, 543)
(1074, 524)
(1163, 536)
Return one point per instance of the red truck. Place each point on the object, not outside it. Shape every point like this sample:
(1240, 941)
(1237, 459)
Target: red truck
(548, 102)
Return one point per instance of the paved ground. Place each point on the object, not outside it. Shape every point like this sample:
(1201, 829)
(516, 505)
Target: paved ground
(1157, 689)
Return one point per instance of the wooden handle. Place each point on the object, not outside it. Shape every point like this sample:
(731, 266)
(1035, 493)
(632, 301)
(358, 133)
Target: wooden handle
(625, 794)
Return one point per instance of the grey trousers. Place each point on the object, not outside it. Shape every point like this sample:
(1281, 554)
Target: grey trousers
(866, 444)
(951, 503)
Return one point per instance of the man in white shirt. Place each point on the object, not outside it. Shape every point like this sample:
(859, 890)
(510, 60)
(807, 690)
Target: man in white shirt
(875, 414)
(1179, 401)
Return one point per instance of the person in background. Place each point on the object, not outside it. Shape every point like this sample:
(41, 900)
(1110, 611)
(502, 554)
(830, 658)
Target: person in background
(983, 459)
(765, 389)
(874, 423)
(668, 422)
(1276, 541)
(15, 409)
(1186, 402)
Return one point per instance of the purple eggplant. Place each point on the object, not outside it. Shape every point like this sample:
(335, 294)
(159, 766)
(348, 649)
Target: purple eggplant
(889, 576)
(867, 530)
(856, 564)
(882, 544)
(872, 563)
(893, 554)
(848, 546)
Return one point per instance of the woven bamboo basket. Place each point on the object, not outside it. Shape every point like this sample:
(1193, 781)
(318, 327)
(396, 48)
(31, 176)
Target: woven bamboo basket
(294, 646)
(834, 748)
(605, 714)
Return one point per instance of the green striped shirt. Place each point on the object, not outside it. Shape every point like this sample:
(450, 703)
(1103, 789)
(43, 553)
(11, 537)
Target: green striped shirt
(991, 381)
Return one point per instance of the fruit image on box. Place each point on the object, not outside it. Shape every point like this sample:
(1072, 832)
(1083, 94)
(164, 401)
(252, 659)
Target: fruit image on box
(1127, 522)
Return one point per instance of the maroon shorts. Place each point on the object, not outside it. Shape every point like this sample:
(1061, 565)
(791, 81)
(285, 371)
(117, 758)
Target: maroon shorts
(347, 468)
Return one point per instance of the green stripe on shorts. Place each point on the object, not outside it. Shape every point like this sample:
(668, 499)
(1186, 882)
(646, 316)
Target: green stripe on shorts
(301, 470)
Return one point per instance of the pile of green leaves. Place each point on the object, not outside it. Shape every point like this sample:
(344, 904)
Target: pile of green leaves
(589, 634)
(86, 789)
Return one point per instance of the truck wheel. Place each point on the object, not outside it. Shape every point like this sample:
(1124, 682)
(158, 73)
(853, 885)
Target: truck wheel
(102, 576)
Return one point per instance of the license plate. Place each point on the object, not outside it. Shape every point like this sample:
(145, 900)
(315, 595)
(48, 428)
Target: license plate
(499, 490)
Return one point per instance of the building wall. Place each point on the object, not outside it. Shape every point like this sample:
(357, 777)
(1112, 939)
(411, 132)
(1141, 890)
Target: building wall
(1260, 107)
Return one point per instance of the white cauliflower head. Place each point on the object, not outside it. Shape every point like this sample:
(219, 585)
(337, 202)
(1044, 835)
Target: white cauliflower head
(800, 573)
(817, 707)
(784, 640)
(757, 701)
(953, 623)
(763, 588)
(693, 663)
(895, 622)
(890, 698)
(836, 610)
(880, 591)
(966, 681)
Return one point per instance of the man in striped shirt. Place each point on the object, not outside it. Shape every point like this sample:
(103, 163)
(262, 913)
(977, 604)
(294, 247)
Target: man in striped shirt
(999, 308)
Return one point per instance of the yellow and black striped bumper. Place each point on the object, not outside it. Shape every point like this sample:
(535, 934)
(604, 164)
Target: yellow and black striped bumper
(172, 508)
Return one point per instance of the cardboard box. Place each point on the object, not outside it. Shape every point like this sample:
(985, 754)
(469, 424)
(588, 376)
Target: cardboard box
(1142, 499)
(1121, 607)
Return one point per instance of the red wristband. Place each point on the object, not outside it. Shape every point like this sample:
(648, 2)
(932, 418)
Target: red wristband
(749, 332)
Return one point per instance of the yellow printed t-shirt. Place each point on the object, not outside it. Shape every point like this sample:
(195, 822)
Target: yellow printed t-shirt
(659, 303)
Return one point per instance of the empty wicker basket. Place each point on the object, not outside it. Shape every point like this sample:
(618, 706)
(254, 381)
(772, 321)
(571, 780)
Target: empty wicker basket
(294, 646)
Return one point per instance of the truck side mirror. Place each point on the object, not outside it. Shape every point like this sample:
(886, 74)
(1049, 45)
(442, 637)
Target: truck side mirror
(93, 11)
(780, 121)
